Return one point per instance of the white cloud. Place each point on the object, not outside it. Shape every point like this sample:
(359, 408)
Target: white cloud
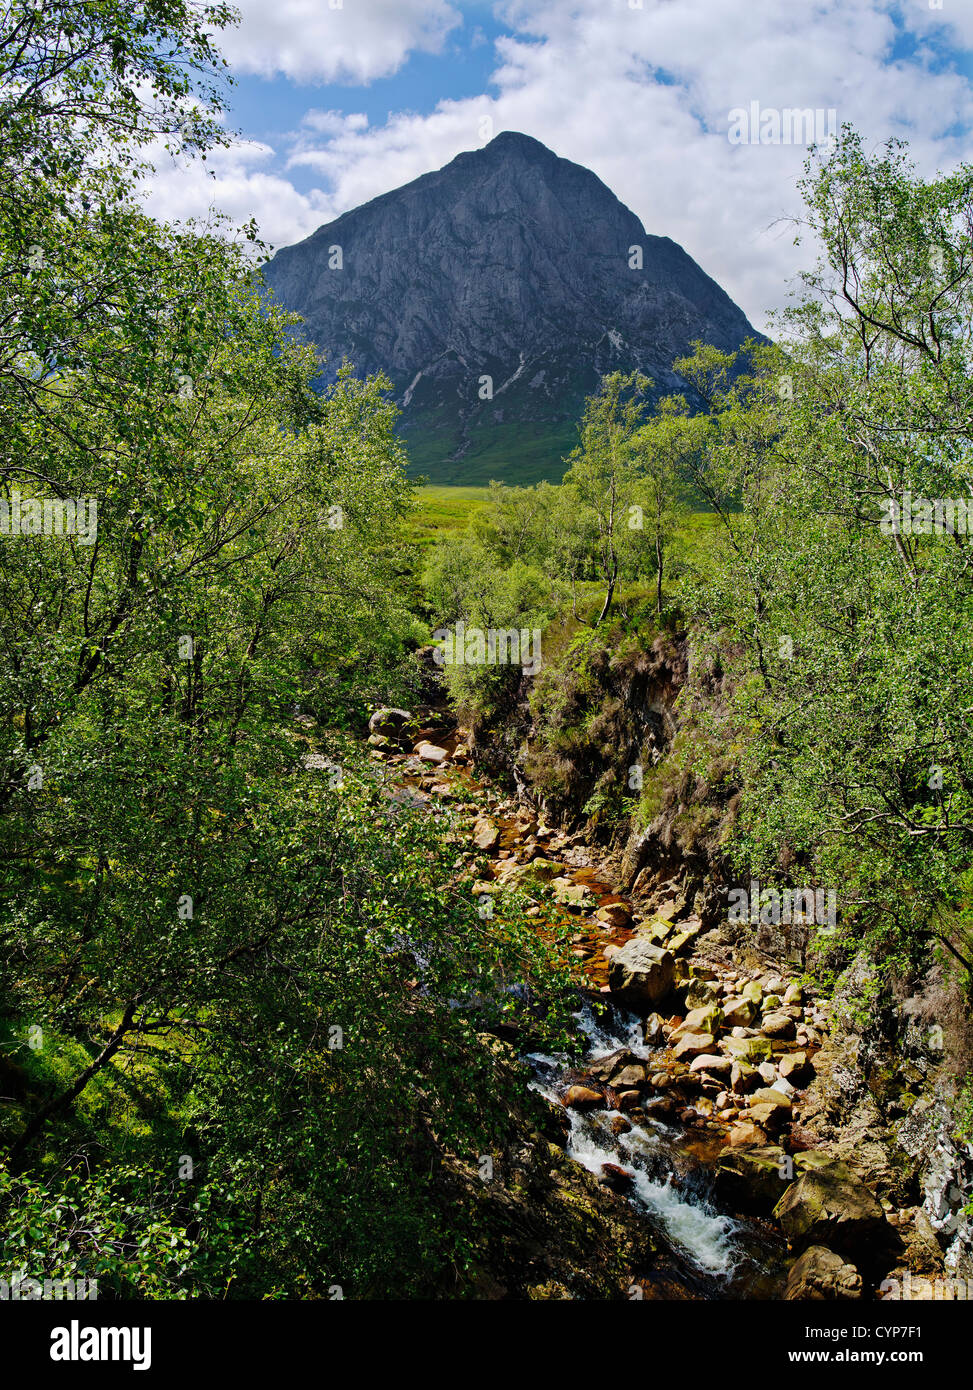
(642, 97)
(335, 40)
(233, 182)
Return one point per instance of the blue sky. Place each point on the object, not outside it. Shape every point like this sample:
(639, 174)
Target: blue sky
(337, 103)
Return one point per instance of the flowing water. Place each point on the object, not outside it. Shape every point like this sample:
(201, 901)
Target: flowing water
(713, 1254)
(705, 1253)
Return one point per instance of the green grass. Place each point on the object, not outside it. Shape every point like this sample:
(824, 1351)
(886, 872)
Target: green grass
(443, 511)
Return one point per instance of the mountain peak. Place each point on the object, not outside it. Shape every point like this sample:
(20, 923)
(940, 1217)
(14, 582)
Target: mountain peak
(495, 292)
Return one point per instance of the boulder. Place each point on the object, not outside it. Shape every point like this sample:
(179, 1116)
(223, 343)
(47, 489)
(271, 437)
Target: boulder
(641, 974)
(692, 1044)
(745, 1134)
(712, 1062)
(706, 1019)
(388, 721)
(743, 1077)
(633, 1075)
(431, 753)
(796, 1068)
(739, 1013)
(652, 1029)
(778, 1025)
(603, 1068)
(752, 1050)
(614, 914)
(750, 1178)
(829, 1205)
(570, 894)
(614, 1176)
(486, 835)
(821, 1274)
(583, 1098)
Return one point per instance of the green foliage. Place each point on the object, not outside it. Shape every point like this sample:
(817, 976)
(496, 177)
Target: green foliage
(850, 642)
(193, 904)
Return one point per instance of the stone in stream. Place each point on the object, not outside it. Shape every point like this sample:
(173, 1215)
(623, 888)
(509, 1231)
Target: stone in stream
(583, 1098)
(744, 1077)
(633, 1075)
(614, 914)
(573, 895)
(431, 753)
(751, 1178)
(486, 835)
(746, 1134)
(777, 1025)
(615, 1177)
(795, 1068)
(692, 1044)
(753, 1050)
(603, 1068)
(388, 720)
(829, 1206)
(821, 1274)
(706, 1019)
(739, 1012)
(652, 1029)
(640, 974)
(715, 1063)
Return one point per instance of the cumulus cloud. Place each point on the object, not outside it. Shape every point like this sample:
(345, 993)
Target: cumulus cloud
(642, 96)
(335, 40)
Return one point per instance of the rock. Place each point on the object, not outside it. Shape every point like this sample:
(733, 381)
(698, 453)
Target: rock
(691, 1044)
(614, 1176)
(821, 1274)
(602, 1068)
(793, 994)
(767, 1073)
(750, 1178)
(614, 914)
(917, 1234)
(707, 1019)
(739, 1013)
(634, 1075)
(777, 1025)
(711, 1062)
(769, 1108)
(583, 1098)
(619, 1125)
(388, 720)
(431, 753)
(652, 1029)
(641, 974)
(753, 1050)
(829, 1205)
(629, 1100)
(795, 1068)
(746, 1134)
(744, 1077)
(570, 894)
(700, 993)
(545, 869)
(486, 835)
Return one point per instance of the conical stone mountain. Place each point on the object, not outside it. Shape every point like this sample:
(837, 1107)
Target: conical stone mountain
(495, 293)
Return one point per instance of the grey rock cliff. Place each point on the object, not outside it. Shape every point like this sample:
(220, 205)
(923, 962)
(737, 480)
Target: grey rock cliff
(511, 264)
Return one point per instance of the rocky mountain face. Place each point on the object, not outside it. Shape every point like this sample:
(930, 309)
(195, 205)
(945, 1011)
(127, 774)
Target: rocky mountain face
(495, 293)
